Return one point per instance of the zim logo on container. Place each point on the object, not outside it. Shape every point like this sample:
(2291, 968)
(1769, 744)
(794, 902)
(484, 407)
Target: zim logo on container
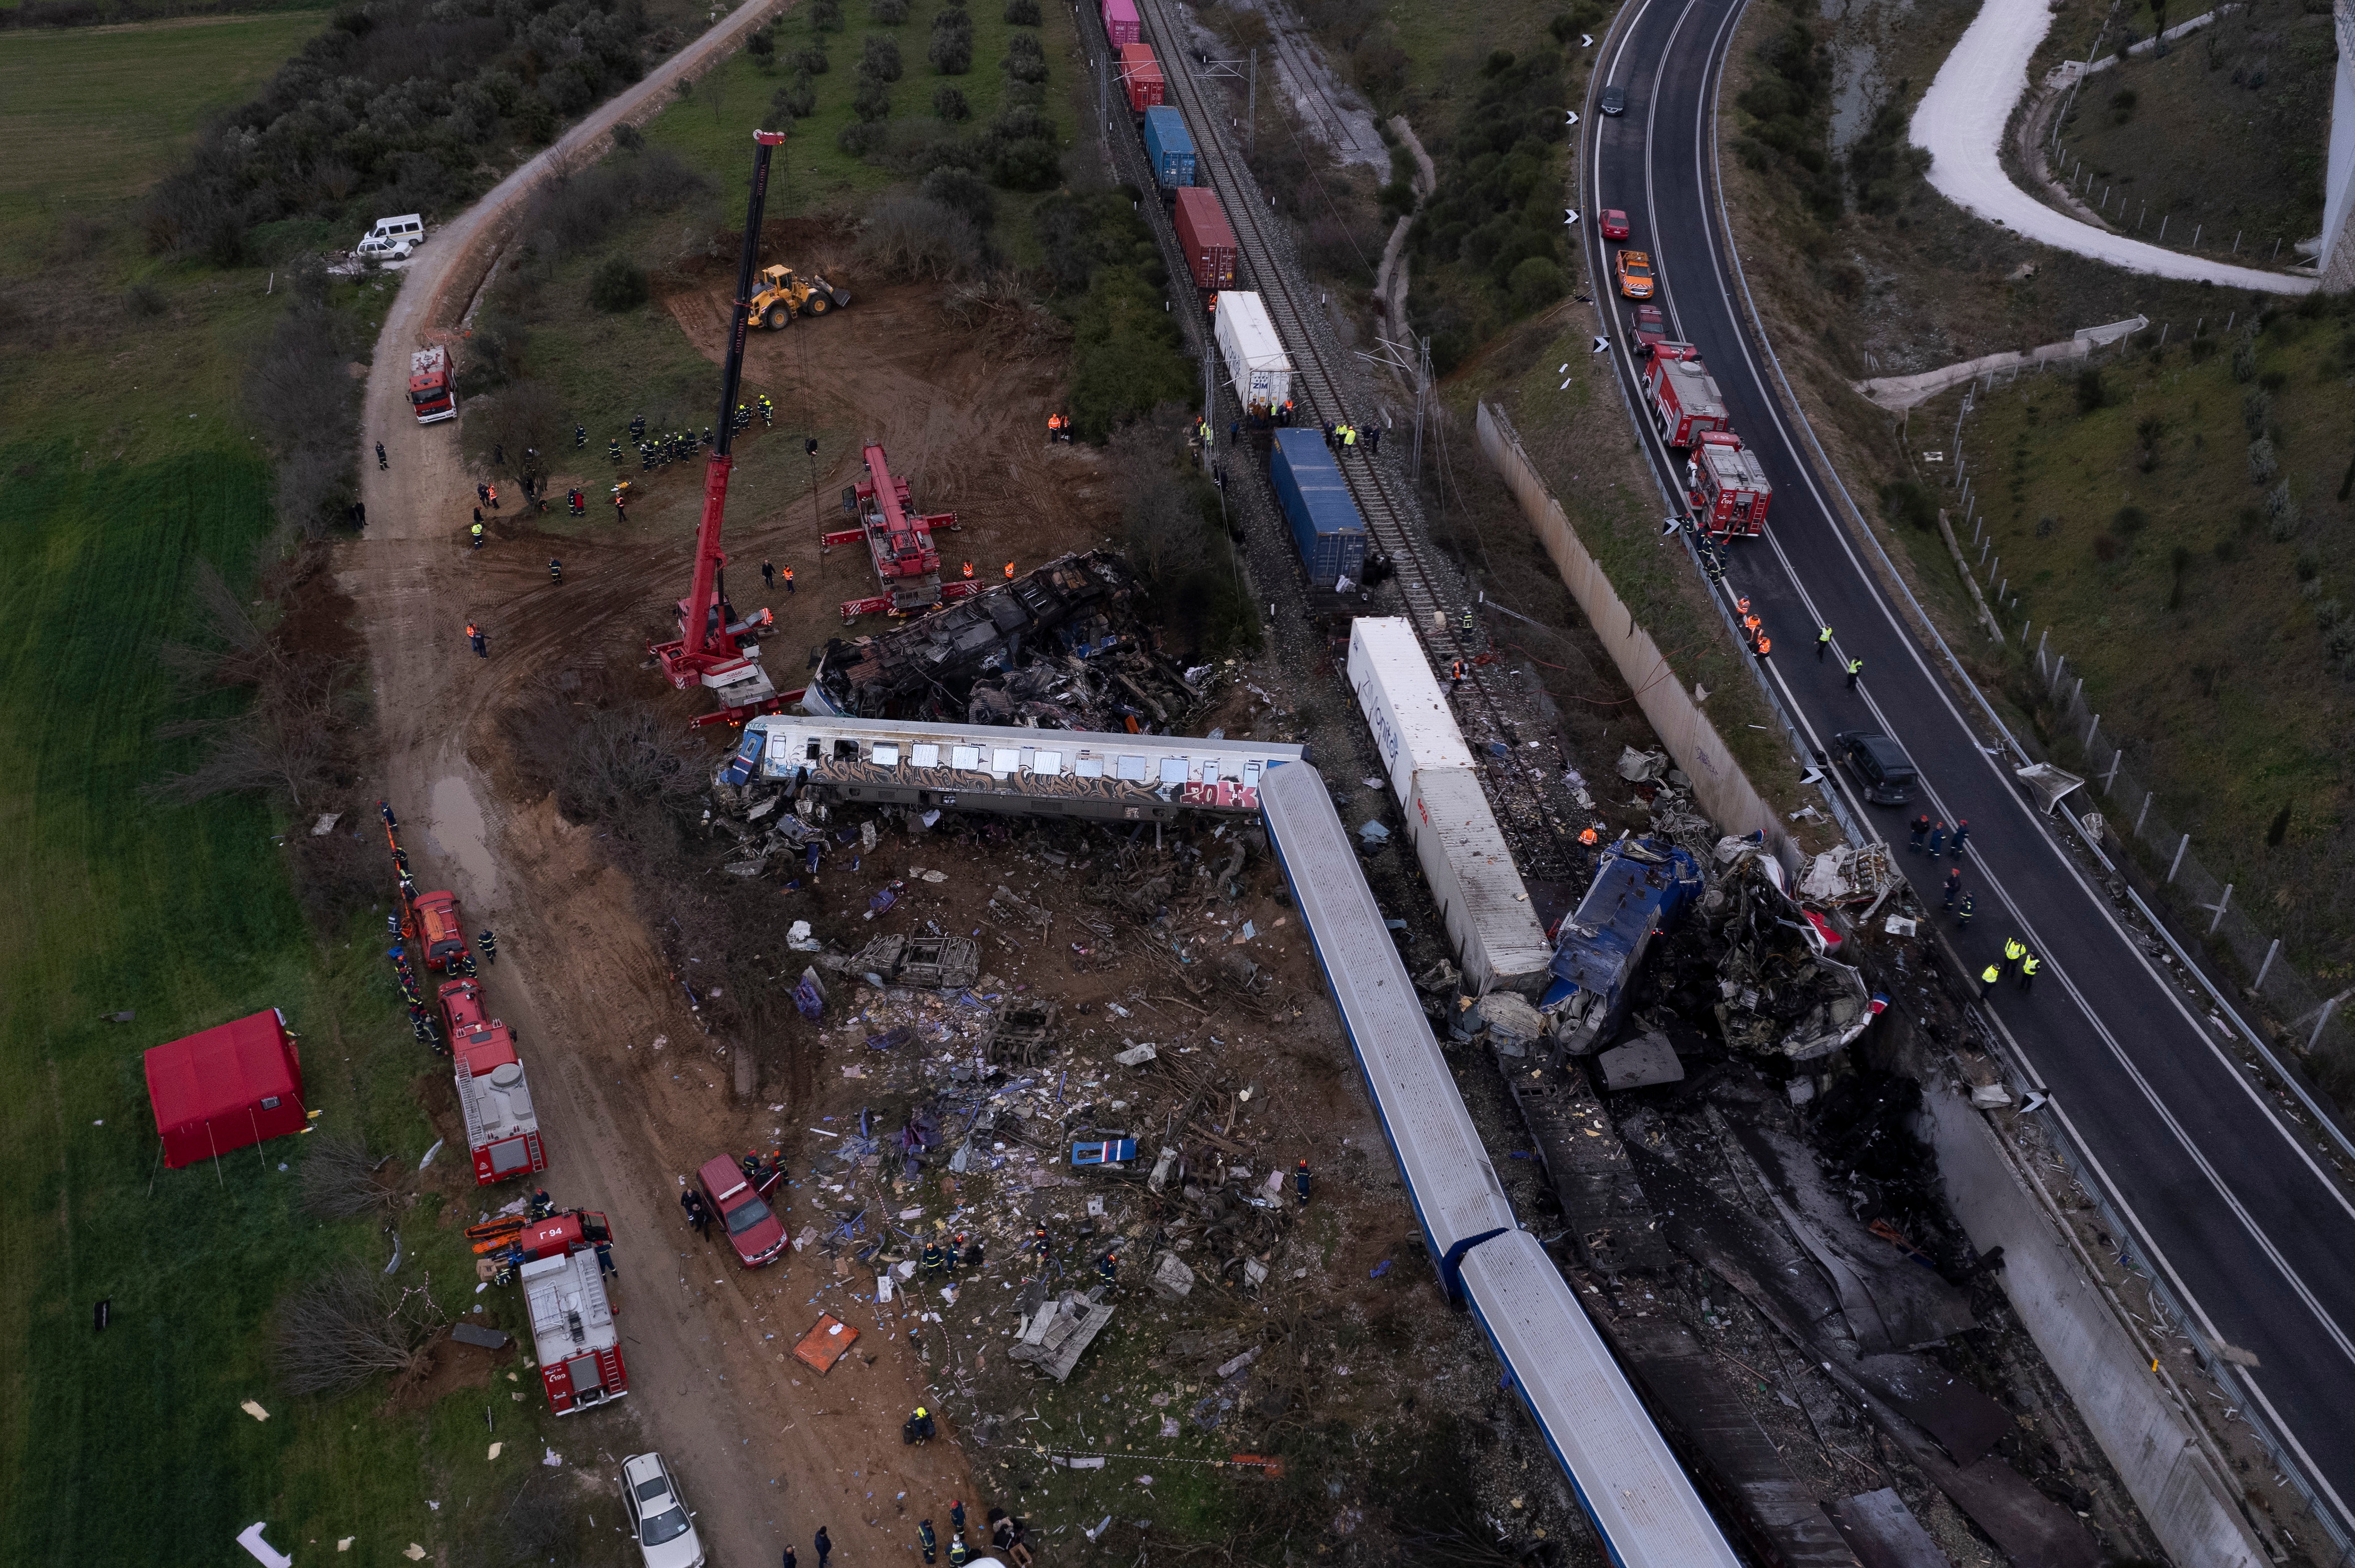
(1232, 796)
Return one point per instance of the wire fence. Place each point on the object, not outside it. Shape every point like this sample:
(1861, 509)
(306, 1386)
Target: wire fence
(2308, 1019)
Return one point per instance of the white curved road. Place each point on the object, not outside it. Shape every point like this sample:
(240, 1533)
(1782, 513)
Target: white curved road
(1961, 121)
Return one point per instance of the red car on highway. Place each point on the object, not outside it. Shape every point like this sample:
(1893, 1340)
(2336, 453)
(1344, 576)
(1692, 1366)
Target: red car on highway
(756, 1234)
(1614, 224)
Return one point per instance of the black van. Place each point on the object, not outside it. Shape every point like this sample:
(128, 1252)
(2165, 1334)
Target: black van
(1881, 765)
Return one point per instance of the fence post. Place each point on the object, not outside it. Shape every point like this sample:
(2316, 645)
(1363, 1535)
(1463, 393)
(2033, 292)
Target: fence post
(2096, 724)
(2148, 796)
(2110, 778)
(2271, 953)
(2077, 692)
(2177, 864)
(2222, 905)
(2060, 663)
(2315, 1038)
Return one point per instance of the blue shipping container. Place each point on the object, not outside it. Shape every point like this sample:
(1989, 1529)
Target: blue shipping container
(1326, 525)
(1168, 147)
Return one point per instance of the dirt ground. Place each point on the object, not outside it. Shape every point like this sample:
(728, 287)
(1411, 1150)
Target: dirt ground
(632, 1095)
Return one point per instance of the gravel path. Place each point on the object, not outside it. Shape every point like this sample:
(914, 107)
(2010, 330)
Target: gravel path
(1961, 121)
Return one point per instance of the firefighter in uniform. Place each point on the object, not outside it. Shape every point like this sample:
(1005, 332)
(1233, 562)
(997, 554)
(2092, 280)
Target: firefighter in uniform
(613, 449)
(768, 411)
(580, 436)
(1300, 1182)
(638, 428)
(934, 1263)
(555, 570)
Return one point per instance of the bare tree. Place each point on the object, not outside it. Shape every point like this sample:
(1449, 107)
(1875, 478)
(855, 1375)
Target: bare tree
(344, 1330)
(341, 1180)
(513, 423)
(281, 743)
(1163, 523)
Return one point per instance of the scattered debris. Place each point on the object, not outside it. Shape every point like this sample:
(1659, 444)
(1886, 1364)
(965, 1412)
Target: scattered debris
(1052, 1337)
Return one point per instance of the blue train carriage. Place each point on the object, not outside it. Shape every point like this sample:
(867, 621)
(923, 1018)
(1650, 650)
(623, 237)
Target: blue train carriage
(1169, 149)
(1325, 525)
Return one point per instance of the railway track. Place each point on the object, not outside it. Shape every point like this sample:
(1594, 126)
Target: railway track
(1316, 392)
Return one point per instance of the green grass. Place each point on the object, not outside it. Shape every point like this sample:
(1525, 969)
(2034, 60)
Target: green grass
(813, 172)
(2221, 137)
(91, 116)
(129, 1446)
(2222, 688)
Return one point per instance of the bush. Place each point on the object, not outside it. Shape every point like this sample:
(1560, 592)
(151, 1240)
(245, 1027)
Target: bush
(2130, 520)
(1022, 13)
(878, 57)
(344, 1330)
(887, 13)
(949, 104)
(861, 137)
(2244, 360)
(871, 102)
(951, 20)
(961, 192)
(144, 298)
(2262, 465)
(2092, 393)
(1536, 283)
(811, 58)
(618, 285)
(826, 16)
(1027, 165)
(921, 238)
(1909, 502)
(2257, 410)
(763, 48)
(951, 53)
(797, 98)
(2282, 519)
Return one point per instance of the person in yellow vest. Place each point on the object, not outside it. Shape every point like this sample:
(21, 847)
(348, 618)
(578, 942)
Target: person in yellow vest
(1988, 976)
(2029, 965)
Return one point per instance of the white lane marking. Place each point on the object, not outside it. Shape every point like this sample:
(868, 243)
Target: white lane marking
(1701, 140)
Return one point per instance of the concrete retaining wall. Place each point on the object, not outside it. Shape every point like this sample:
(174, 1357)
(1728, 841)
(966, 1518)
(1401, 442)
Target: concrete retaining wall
(2132, 1413)
(1723, 790)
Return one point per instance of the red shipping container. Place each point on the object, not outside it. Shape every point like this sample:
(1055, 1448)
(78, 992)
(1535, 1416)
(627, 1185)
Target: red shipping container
(1140, 77)
(1120, 22)
(1206, 237)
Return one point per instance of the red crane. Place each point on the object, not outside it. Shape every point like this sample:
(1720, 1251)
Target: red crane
(714, 648)
(900, 541)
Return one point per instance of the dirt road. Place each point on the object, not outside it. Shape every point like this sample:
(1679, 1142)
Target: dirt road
(632, 1097)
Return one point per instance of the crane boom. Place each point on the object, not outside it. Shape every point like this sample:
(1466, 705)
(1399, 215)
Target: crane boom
(713, 648)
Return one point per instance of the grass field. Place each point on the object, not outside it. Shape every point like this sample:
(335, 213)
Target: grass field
(2136, 535)
(91, 115)
(124, 463)
(2225, 136)
(182, 915)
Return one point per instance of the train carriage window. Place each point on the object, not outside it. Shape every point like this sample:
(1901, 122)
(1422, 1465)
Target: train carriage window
(1251, 775)
(1004, 759)
(1088, 767)
(1173, 770)
(846, 751)
(924, 754)
(1048, 762)
(1210, 773)
(1029, 759)
(965, 757)
(886, 754)
(810, 754)
(1132, 769)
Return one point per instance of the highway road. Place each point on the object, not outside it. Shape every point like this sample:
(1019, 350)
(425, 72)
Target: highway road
(2230, 1204)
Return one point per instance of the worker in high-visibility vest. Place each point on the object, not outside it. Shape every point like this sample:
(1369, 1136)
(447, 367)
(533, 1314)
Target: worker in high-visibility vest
(969, 571)
(2029, 965)
(789, 580)
(1009, 572)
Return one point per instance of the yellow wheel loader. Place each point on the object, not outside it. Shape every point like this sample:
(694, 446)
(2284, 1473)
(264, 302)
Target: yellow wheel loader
(784, 294)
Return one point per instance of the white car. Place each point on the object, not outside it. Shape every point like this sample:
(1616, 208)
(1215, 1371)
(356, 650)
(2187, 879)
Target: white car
(658, 1514)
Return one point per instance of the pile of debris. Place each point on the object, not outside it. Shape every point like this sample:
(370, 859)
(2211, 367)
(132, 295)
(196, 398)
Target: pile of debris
(1063, 648)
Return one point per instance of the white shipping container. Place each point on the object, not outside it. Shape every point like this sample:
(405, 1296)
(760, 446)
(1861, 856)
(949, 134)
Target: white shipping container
(1491, 925)
(1403, 705)
(1253, 353)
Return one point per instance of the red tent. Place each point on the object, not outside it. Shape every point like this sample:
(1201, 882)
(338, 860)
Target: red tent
(228, 1087)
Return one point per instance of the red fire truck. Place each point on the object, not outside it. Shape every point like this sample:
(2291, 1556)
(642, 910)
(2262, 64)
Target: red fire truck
(1684, 398)
(502, 1128)
(432, 385)
(572, 1330)
(1727, 487)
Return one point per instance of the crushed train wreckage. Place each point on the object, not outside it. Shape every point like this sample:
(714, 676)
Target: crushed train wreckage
(1061, 647)
(1779, 988)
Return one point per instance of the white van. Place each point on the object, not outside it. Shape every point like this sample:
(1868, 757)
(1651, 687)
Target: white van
(393, 238)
